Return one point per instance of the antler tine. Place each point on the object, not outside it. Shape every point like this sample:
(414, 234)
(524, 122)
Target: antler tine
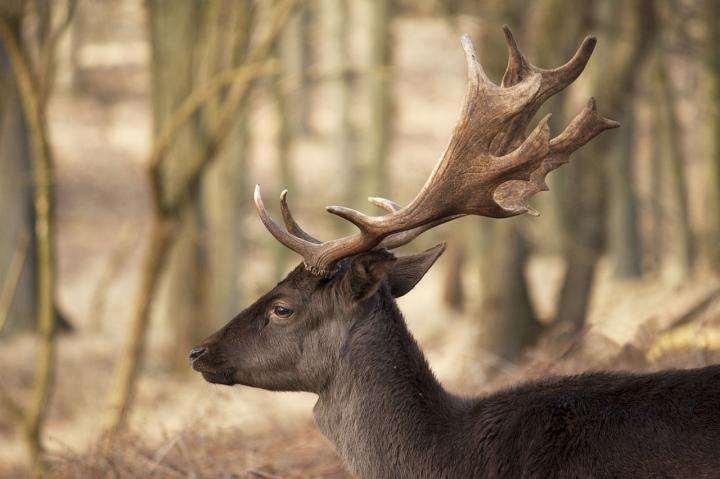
(388, 205)
(404, 237)
(499, 103)
(290, 224)
(553, 80)
(583, 128)
(299, 245)
(475, 73)
(518, 67)
(559, 78)
(490, 168)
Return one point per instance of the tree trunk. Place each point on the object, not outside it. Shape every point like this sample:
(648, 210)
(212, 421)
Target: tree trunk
(33, 108)
(283, 139)
(338, 90)
(506, 311)
(175, 37)
(586, 236)
(380, 98)
(552, 39)
(121, 395)
(302, 57)
(16, 190)
(678, 249)
(508, 319)
(624, 238)
(226, 195)
(613, 78)
(453, 286)
(713, 163)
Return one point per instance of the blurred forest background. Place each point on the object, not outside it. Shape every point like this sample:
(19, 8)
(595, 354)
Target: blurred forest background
(132, 133)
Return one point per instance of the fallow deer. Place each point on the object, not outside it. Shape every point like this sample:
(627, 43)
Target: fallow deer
(332, 327)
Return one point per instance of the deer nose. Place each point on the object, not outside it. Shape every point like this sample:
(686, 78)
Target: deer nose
(196, 352)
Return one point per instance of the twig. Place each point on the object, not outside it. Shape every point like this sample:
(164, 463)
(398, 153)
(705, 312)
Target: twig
(47, 52)
(696, 309)
(109, 274)
(129, 362)
(161, 453)
(154, 466)
(10, 404)
(12, 279)
(261, 475)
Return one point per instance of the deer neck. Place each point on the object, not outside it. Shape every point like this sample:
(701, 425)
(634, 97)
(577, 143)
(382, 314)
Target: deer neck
(384, 406)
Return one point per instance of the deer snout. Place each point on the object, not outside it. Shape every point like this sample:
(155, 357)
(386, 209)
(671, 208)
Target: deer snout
(197, 352)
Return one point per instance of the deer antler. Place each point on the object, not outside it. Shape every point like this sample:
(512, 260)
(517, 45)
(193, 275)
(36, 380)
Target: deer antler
(490, 168)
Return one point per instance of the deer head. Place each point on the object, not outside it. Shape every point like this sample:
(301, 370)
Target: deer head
(291, 338)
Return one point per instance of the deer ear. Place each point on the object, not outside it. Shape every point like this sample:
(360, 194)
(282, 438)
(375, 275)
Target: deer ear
(410, 269)
(366, 272)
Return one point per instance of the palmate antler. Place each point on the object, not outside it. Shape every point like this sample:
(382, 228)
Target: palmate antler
(490, 168)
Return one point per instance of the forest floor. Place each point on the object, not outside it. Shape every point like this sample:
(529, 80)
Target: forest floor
(184, 427)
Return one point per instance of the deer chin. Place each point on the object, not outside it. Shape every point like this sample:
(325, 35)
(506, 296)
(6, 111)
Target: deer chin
(219, 377)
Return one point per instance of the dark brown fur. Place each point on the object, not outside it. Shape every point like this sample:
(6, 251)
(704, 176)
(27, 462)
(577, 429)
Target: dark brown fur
(389, 417)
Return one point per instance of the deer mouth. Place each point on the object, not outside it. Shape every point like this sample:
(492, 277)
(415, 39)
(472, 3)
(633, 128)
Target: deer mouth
(219, 377)
(212, 373)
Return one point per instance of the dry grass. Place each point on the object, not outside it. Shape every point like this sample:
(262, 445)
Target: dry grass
(200, 453)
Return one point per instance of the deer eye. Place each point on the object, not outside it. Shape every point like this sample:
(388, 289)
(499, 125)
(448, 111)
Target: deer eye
(282, 312)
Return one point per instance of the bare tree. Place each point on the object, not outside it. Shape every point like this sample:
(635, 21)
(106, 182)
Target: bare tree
(34, 82)
(507, 314)
(454, 285)
(712, 16)
(337, 90)
(225, 188)
(623, 234)
(615, 82)
(677, 257)
(380, 100)
(283, 130)
(170, 207)
(16, 193)
(175, 38)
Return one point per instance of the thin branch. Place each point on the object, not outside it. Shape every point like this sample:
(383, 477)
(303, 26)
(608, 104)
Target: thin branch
(197, 99)
(7, 294)
(27, 87)
(12, 407)
(113, 266)
(47, 53)
(224, 123)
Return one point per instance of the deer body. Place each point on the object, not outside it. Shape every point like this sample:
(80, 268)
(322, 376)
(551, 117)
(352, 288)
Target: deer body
(388, 417)
(332, 326)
